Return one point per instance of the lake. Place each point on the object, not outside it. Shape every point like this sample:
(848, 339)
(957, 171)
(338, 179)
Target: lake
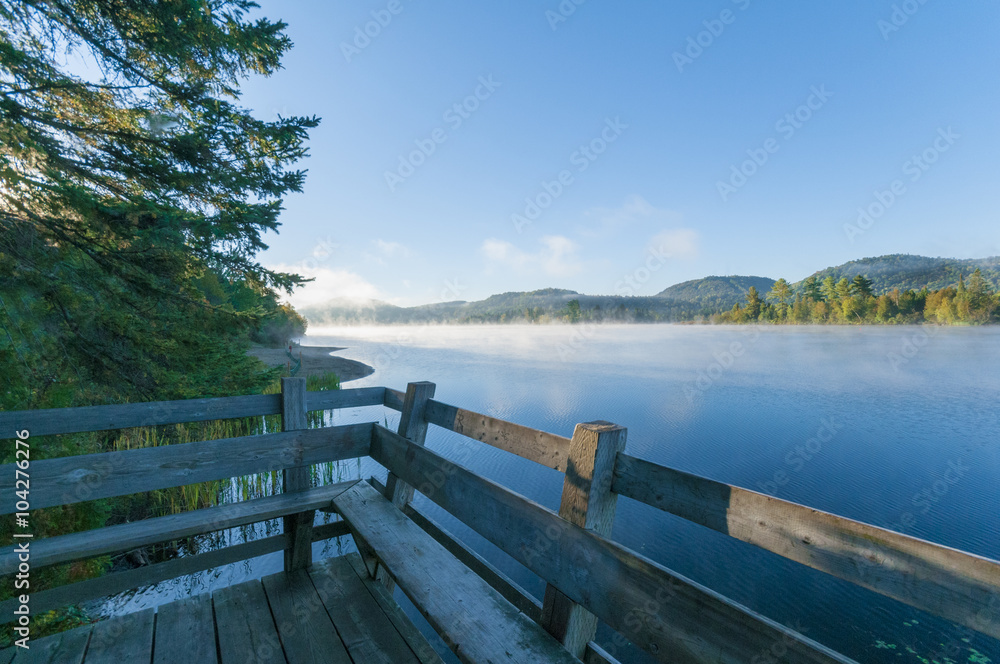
(894, 426)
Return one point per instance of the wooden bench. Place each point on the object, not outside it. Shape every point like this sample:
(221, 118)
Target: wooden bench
(476, 622)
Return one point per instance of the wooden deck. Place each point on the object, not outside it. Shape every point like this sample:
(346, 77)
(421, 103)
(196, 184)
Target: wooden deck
(342, 610)
(332, 613)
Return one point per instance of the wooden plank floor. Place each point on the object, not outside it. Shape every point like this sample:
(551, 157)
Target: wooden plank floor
(331, 614)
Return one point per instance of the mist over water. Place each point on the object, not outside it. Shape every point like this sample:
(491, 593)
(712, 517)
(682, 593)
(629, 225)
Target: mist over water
(896, 407)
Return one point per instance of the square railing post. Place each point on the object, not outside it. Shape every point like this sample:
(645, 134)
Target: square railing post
(412, 426)
(298, 527)
(588, 502)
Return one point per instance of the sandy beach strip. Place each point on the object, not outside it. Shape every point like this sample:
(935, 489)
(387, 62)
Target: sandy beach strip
(315, 360)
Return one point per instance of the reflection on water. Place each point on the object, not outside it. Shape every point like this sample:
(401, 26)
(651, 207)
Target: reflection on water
(864, 422)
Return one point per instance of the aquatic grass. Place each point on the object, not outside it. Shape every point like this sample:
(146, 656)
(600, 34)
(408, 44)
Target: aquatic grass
(218, 492)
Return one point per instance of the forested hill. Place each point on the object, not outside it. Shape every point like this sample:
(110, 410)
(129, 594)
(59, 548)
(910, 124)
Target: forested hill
(699, 299)
(544, 305)
(716, 293)
(909, 272)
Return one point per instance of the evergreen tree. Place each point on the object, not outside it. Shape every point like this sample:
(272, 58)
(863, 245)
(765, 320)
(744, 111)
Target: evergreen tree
(754, 304)
(812, 289)
(121, 190)
(829, 290)
(982, 302)
(862, 286)
(843, 289)
(780, 292)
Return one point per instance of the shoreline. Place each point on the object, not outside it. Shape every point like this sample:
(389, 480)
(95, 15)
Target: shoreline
(315, 360)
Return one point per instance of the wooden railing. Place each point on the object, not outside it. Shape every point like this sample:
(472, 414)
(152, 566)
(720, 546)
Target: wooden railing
(589, 577)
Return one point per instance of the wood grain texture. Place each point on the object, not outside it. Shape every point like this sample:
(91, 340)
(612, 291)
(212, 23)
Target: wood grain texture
(297, 526)
(393, 399)
(352, 398)
(510, 591)
(672, 617)
(306, 631)
(111, 584)
(955, 585)
(595, 654)
(414, 639)
(363, 627)
(587, 501)
(185, 632)
(548, 449)
(125, 638)
(412, 426)
(122, 416)
(128, 536)
(64, 648)
(476, 622)
(246, 630)
(92, 476)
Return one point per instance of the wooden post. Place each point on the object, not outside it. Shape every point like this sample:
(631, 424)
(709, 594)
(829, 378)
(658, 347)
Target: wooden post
(587, 501)
(298, 527)
(413, 426)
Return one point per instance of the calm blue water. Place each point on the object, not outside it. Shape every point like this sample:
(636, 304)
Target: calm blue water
(738, 405)
(905, 405)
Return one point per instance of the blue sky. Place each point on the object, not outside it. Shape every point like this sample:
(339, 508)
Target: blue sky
(640, 144)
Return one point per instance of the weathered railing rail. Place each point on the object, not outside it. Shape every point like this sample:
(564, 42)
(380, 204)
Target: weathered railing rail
(946, 582)
(154, 413)
(589, 577)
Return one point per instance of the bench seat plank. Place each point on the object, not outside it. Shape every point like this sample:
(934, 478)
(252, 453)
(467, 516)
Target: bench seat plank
(419, 644)
(476, 622)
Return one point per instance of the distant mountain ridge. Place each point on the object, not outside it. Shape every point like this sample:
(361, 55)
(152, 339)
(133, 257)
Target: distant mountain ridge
(717, 293)
(697, 298)
(910, 272)
(532, 306)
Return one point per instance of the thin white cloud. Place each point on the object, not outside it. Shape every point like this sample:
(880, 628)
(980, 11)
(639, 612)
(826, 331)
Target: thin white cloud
(329, 285)
(557, 256)
(635, 210)
(391, 249)
(384, 251)
(680, 243)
